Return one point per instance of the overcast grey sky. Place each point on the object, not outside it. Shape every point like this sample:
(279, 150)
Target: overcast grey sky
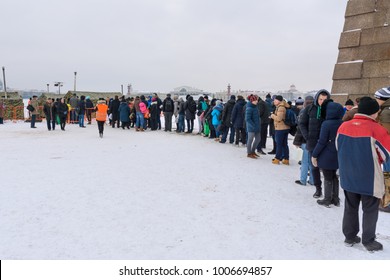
(157, 45)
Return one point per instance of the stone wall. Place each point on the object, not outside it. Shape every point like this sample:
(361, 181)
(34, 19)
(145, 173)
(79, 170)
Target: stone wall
(363, 64)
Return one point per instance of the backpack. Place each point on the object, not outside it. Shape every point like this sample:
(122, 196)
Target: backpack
(192, 107)
(291, 121)
(168, 105)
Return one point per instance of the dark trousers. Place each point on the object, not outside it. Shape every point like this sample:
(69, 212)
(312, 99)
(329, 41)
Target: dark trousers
(115, 120)
(315, 172)
(190, 125)
(62, 122)
(370, 206)
(240, 135)
(168, 121)
(225, 134)
(100, 126)
(51, 124)
(33, 118)
(263, 132)
(1, 120)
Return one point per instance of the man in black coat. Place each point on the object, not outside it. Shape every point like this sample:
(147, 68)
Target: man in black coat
(226, 120)
(114, 111)
(168, 107)
(264, 120)
(310, 123)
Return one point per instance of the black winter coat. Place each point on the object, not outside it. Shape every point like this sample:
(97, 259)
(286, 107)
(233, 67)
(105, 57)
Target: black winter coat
(227, 113)
(310, 122)
(237, 117)
(325, 149)
(264, 111)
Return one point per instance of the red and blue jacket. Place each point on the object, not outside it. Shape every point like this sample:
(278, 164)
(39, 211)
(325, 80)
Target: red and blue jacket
(362, 145)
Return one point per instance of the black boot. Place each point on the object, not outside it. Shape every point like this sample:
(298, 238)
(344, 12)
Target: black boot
(335, 192)
(327, 201)
(318, 192)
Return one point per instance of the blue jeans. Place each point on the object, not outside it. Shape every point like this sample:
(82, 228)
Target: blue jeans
(81, 120)
(181, 125)
(282, 150)
(306, 166)
(140, 120)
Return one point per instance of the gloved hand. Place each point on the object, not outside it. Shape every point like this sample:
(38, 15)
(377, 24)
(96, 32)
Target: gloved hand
(314, 161)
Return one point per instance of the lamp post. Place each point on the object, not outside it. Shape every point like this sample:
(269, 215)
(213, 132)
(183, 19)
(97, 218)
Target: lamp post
(5, 86)
(122, 89)
(59, 85)
(47, 87)
(75, 75)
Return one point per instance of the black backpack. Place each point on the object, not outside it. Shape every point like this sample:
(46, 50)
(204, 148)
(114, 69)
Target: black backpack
(291, 121)
(168, 105)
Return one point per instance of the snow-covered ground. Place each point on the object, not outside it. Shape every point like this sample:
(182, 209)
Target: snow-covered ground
(158, 195)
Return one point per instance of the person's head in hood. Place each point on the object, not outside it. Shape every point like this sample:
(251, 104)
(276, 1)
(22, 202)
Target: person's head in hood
(321, 96)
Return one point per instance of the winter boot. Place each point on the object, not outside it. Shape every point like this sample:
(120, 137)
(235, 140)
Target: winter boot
(353, 241)
(335, 192)
(275, 161)
(373, 246)
(256, 155)
(318, 192)
(251, 156)
(327, 201)
(286, 162)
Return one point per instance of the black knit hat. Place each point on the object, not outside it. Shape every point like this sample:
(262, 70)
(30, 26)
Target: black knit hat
(368, 106)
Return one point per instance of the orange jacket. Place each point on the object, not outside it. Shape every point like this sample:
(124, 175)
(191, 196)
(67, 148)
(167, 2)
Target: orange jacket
(101, 112)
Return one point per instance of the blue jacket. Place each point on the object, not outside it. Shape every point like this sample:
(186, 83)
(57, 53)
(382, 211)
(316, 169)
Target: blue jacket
(252, 118)
(237, 114)
(124, 112)
(362, 145)
(217, 111)
(325, 150)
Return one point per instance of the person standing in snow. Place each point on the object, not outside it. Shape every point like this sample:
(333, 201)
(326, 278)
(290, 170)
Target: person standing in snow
(226, 122)
(88, 109)
(300, 142)
(238, 120)
(190, 110)
(382, 96)
(362, 146)
(168, 108)
(324, 154)
(281, 131)
(310, 126)
(264, 120)
(62, 111)
(216, 115)
(252, 118)
(50, 112)
(124, 113)
(101, 115)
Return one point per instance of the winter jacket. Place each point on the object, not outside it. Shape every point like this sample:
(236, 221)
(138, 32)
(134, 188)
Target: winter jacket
(62, 110)
(216, 113)
(325, 150)
(35, 104)
(311, 120)
(280, 115)
(50, 111)
(227, 113)
(101, 111)
(114, 106)
(263, 111)
(237, 117)
(190, 108)
(252, 118)
(81, 106)
(362, 145)
(124, 112)
(165, 107)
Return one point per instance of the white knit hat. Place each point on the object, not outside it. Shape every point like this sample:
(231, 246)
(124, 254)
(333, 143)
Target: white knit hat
(383, 93)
